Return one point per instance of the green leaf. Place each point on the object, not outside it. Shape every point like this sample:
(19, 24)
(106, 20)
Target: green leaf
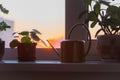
(93, 24)
(92, 16)
(119, 12)
(25, 40)
(24, 33)
(87, 1)
(34, 36)
(14, 33)
(97, 8)
(105, 2)
(3, 26)
(36, 31)
(113, 22)
(112, 10)
(8, 26)
(43, 42)
(4, 10)
(14, 43)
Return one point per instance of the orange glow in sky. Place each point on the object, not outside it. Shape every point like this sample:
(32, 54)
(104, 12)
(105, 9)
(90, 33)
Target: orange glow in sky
(55, 41)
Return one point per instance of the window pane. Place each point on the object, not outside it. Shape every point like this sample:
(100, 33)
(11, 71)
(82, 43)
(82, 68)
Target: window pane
(47, 16)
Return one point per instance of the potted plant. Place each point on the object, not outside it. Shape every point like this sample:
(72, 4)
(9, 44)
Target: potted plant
(3, 27)
(26, 42)
(107, 16)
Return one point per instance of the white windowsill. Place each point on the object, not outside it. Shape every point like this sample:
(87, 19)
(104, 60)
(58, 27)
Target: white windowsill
(57, 66)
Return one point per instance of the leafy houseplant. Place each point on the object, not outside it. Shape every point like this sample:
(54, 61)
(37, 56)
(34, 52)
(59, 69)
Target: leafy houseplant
(26, 44)
(107, 16)
(3, 27)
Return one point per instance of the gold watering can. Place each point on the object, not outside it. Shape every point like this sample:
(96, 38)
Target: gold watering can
(73, 50)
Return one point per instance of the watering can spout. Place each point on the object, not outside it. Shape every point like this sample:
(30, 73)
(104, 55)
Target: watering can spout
(54, 48)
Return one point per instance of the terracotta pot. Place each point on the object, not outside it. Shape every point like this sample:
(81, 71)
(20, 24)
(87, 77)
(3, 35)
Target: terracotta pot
(2, 49)
(109, 47)
(26, 52)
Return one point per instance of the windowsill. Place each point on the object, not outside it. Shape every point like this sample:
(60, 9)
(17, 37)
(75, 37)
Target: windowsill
(57, 66)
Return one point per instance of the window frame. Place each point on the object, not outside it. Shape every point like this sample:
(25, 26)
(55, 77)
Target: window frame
(72, 10)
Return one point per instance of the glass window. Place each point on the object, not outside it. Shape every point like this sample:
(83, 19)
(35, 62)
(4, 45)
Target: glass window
(47, 16)
(53, 18)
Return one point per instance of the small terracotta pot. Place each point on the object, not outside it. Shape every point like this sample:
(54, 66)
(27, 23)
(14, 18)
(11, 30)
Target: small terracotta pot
(26, 52)
(109, 47)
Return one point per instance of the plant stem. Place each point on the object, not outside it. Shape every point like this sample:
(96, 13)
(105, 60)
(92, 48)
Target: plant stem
(109, 32)
(116, 30)
(103, 29)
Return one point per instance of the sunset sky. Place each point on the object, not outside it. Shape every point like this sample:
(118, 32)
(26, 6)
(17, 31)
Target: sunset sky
(47, 16)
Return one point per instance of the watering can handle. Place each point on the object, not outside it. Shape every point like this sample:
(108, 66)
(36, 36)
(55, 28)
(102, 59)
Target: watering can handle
(89, 35)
